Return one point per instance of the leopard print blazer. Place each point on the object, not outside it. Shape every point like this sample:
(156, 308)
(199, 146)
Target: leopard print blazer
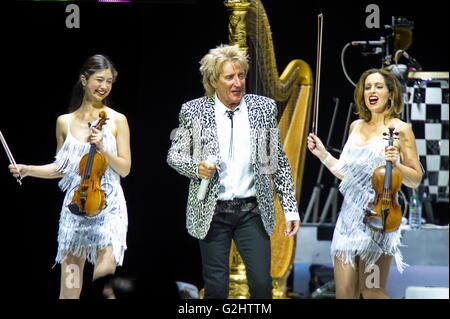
(196, 138)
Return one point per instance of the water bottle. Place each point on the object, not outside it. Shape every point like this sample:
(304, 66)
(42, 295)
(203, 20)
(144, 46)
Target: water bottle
(415, 212)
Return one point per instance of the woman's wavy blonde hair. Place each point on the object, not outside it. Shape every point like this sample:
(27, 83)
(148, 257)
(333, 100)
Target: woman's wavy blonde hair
(211, 64)
(394, 87)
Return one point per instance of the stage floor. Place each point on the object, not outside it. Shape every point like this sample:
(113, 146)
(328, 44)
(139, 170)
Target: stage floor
(425, 250)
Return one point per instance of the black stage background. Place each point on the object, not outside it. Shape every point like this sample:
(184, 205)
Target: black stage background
(156, 47)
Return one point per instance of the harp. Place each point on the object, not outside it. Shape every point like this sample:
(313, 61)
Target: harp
(249, 28)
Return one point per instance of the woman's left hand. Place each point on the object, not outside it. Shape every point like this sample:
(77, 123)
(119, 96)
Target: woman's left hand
(96, 138)
(391, 154)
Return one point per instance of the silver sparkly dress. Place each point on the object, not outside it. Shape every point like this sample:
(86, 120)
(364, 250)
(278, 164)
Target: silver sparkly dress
(351, 237)
(83, 236)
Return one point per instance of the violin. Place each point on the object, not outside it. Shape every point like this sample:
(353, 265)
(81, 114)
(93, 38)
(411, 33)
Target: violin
(385, 214)
(89, 199)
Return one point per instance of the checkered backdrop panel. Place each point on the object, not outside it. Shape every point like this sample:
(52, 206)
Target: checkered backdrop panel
(429, 115)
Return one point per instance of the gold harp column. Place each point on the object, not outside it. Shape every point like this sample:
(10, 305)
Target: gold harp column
(237, 35)
(249, 21)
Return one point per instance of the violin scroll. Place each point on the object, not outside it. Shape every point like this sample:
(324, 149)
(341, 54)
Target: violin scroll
(102, 120)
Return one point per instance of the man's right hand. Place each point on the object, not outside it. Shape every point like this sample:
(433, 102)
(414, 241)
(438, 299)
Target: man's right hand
(206, 171)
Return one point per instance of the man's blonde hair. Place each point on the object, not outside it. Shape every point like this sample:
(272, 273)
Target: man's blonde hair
(211, 64)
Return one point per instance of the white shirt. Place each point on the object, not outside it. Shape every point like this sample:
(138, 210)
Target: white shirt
(236, 173)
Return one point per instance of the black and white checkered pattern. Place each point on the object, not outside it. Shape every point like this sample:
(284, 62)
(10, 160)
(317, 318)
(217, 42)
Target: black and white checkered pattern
(429, 115)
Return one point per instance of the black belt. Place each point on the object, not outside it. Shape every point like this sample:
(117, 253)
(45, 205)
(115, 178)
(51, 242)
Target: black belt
(243, 204)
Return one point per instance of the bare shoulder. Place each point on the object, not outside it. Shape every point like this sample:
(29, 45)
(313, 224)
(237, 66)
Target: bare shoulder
(121, 118)
(117, 116)
(120, 123)
(62, 122)
(401, 127)
(63, 119)
(405, 132)
(354, 124)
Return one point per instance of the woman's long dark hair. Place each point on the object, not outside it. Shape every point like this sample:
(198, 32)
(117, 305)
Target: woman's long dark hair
(93, 64)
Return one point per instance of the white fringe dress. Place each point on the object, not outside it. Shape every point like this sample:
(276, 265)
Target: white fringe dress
(83, 236)
(351, 237)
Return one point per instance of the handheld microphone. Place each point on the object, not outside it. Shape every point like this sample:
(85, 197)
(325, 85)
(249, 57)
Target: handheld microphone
(211, 160)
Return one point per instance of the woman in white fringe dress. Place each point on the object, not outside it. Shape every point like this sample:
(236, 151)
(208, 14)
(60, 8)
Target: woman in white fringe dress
(361, 256)
(100, 239)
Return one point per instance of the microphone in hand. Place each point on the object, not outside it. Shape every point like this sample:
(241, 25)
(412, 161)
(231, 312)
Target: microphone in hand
(211, 160)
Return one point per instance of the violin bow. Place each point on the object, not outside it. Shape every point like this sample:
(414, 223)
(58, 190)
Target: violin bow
(315, 123)
(10, 157)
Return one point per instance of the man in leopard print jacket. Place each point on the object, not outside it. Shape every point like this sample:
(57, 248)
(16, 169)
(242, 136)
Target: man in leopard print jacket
(241, 131)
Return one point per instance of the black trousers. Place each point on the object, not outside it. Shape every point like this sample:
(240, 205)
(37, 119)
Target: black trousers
(253, 244)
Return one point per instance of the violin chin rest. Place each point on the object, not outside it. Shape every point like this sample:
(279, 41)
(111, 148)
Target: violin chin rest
(372, 220)
(75, 209)
(375, 223)
(369, 212)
